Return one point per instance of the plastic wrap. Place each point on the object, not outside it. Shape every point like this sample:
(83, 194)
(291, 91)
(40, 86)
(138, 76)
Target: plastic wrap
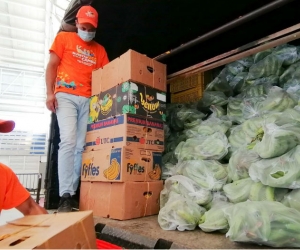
(234, 110)
(287, 54)
(209, 174)
(239, 163)
(212, 147)
(214, 219)
(292, 199)
(280, 172)
(180, 213)
(264, 222)
(187, 188)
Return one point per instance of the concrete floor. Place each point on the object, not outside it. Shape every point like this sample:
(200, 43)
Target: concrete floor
(197, 239)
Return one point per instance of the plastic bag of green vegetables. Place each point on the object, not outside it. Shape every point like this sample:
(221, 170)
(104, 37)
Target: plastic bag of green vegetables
(167, 170)
(180, 213)
(214, 219)
(269, 80)
(281, 172)
(289, 73)
(261, 55)
(270, 65)
(247, 189)
(292, 199)
(211, 147)
(251, 107)
(173, 141)
(187, 188)
(217, 111)
(277, 100)
(293, 89)
(287, 54)
(209, 174)
(238, 138)
(289, 116)
(218, 85)
(237, 83)
(255, 91)
(277, 140)
(183, 116)
(213, 98)
(234, 110)
(264, 222)
(236, 68)
(209, 127)
(247, 61)
(239, 163)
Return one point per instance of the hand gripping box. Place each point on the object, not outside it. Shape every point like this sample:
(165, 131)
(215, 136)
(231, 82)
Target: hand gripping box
(121, 201)
(130, 66)
(50, 231)
(125, 130)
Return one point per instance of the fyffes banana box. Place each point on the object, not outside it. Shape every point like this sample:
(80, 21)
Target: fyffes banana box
(121, 165)
(125, 130)
(128, 98)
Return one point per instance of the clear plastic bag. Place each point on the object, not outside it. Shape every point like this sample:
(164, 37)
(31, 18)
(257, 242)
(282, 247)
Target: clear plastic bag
(251, 107)
(213, 98)
(212, 147)
(209, 127)
(214, 219)
(292, 199)
(261, 55)
(280, 172)
(234, 110)
(180, 213)
(277, 100)
(247, 61)
(264, 222)
(289, 73)
(287, 54)
(269, 80)
(270, 65)
(236, 68)
(209, 174)
(238, 138)
(277, 140)
(239, 163)
(217, 111)
(187, 188)
(238, 82)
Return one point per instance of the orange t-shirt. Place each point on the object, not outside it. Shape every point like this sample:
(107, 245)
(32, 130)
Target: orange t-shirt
(12, 193)
(78, 60)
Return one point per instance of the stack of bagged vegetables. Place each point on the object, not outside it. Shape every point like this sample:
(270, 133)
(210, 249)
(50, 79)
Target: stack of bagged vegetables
(232, 160)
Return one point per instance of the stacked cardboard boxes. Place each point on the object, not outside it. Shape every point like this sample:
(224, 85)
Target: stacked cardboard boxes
(121, 165)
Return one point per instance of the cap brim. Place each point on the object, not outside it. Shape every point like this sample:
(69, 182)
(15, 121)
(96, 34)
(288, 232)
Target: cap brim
(87, 20)
(6, 126)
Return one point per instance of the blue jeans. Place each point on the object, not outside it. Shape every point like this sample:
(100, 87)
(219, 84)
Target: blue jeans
(72, 116)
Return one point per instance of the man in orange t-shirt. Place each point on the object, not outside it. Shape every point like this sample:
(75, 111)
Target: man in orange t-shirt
(73, 57)
(12, 193)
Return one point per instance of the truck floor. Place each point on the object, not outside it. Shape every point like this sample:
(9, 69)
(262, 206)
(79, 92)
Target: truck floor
(146, 233)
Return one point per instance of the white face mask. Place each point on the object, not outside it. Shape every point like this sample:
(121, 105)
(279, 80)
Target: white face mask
(85, 35)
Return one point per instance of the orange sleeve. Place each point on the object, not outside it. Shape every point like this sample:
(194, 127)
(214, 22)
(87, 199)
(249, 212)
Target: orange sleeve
(12, 193)
(58, 45)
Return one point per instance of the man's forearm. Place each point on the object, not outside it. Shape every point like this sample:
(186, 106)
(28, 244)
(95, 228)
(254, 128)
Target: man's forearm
(50, 78)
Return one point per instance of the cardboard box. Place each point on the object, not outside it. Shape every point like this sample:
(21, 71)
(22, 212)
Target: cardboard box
(121, 201)
(130, 66)
(125, 130)
(55, 231)
(128, 98)
(197, 80)
(188, 96)
(121, 164)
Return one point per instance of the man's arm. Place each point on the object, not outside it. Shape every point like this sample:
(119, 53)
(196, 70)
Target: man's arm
(51, 72)
(30, 207)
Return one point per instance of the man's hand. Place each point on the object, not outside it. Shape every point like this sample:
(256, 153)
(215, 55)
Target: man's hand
(51, 103)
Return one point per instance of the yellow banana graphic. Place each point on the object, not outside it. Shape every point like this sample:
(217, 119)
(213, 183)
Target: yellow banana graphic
(113, 171)
(156, 173)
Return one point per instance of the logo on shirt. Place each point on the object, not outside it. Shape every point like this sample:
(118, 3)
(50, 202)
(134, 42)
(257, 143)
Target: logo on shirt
(84, 56)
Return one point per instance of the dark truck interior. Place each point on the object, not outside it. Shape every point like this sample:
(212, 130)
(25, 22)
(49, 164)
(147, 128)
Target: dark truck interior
(190, 31)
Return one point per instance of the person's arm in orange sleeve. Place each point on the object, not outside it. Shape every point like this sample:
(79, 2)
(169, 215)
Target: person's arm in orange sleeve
(15, 195)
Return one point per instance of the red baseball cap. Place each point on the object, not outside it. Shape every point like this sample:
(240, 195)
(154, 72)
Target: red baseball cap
(87, 14)
(6, 126)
